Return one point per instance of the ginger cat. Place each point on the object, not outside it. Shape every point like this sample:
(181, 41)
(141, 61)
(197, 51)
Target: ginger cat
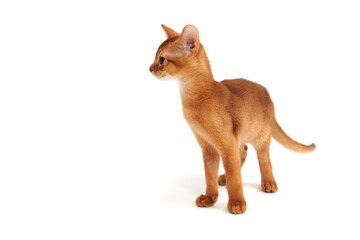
(224, 117)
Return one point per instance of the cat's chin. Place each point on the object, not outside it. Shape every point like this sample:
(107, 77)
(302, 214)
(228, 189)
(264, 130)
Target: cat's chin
(165, 78)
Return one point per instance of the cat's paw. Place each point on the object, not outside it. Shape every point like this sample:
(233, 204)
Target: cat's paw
(236, 206)
(269, 186)
(206, 201)
(222, 180)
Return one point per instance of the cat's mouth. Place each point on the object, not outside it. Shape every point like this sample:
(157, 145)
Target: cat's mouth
(160, 75)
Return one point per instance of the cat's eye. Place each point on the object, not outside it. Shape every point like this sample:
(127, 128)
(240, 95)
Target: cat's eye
(161, 60)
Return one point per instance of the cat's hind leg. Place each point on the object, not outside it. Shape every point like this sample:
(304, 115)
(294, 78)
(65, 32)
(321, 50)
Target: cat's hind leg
(268, 183)
(243, 153)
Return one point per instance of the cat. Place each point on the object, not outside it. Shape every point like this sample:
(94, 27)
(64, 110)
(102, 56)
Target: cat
(224, 117)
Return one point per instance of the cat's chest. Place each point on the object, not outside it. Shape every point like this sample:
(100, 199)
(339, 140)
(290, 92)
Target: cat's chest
(192, 115)
(201, 109)
(201, 116)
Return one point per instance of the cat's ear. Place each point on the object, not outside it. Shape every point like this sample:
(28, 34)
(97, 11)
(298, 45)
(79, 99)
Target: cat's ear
(190, 39)
(169, 32)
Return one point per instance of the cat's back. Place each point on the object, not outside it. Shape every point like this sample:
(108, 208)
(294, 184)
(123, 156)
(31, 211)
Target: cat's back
(241, 86)
(249, 92)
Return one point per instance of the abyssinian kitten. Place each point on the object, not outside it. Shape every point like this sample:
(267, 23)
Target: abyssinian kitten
(224, 117)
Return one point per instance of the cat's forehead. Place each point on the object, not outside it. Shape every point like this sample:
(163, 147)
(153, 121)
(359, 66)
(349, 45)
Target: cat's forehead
(166, 44)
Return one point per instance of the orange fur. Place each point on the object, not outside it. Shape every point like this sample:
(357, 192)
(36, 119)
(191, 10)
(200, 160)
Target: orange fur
(224, 117)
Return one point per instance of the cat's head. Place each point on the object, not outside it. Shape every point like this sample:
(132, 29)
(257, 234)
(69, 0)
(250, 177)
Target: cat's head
(179, 55)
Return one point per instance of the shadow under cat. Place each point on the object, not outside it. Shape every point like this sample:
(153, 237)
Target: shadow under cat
(183, 190)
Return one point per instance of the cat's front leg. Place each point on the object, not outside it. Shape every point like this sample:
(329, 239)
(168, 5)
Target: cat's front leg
(211, 166)
(243, 154)
(232, 165)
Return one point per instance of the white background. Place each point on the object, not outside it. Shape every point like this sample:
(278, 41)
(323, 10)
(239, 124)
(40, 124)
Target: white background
(92, 146)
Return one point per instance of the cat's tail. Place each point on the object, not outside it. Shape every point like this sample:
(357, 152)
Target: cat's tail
(279, 135)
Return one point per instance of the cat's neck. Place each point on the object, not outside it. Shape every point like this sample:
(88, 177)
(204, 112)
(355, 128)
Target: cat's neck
(195, 87)
(196, 79)
(194, 82)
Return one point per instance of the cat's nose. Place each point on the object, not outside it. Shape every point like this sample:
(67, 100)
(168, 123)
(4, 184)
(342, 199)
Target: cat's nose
(151, 68)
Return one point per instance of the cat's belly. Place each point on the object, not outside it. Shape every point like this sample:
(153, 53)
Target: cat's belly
(250, 133)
